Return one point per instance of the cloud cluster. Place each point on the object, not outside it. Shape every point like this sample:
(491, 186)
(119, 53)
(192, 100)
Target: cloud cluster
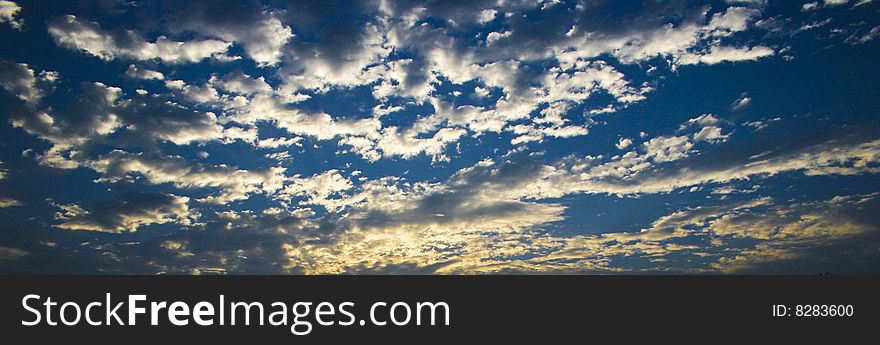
(234, 184)
(485, 92)
(535, 103)
(261, 33)
(71, 32)
(127, 213)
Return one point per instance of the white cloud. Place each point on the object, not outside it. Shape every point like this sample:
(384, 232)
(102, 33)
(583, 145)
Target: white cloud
(273, 143)
(487, 15)
(8, 11)
(318, 189)
(393, 142)
(810, 6)
(835, 2)
(432, 227)
(143, 73)
(734, 19)
(718, 54)
(18, 80)
(343, 59)
(700, 121)
(73, 33)
(405, 78)
(198, 94)
(666, 149)
(741, 103)
(319, 125)
(494, 36)
(538, 133)
(261, 33)
(243, 84)
(234, 184)
(710, 133)
(530, 81)
(630, 173)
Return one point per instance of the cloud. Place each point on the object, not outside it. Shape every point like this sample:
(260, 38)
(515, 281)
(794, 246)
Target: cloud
(835, 2)
(700, 121)
(127, 213)
(8, 12)
(260, 32)
(741, 103)
(19, 80)
(681, 43)
(408, 80)
(101, 111)
(830, 4)
(559, 89)
(429, 235)
(432, 227)
(328, 52)
(234, 242)
(273, 143)
(635, 173)
(397, 225)
(405, 144)
(319, 125)
(789, 232)
(102, 114)
(71, 32)
(405, 78)
(243, 84)
(710, 133)
(479, 222)
(718, 54)
(666, 163)
(9, 254)
(234, 184)
(89, 116)
(666, 149)
(319, 188)
(870, 35)
(197, 94)
(146, 74)
(7, 202)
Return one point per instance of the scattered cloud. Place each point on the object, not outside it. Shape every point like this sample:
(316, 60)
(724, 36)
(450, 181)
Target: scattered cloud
(71, 32)
(439, 137)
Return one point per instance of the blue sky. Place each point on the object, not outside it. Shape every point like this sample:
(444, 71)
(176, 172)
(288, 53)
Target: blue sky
(463, 137)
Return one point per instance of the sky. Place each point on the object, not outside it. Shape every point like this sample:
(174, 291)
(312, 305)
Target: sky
(440, 137)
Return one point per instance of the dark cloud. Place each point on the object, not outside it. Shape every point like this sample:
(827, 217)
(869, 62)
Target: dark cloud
(127, 213)
(18, 80)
